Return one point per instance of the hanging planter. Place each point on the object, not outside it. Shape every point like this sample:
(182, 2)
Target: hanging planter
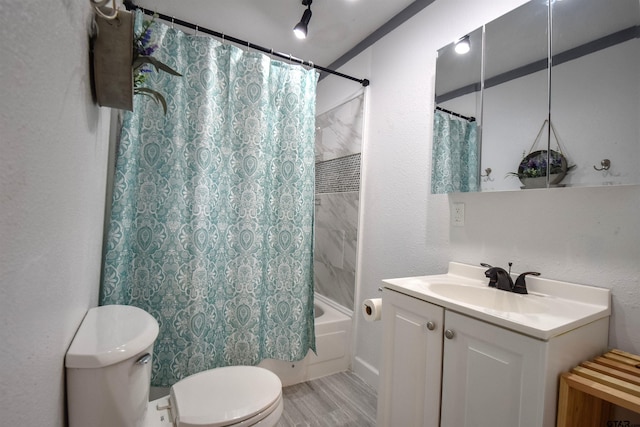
(121, 61)
(533, 168)
(112, 59)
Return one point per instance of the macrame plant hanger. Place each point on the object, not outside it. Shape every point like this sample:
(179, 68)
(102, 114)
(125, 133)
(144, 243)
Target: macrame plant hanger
(552, 130)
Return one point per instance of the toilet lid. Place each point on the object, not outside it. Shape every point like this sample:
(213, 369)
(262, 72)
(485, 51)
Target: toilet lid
(223, 396)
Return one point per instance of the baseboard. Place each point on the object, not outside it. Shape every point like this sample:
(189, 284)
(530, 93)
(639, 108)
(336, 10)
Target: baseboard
(368, 373)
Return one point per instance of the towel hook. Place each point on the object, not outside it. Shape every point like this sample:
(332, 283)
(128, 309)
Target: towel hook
(605, 165)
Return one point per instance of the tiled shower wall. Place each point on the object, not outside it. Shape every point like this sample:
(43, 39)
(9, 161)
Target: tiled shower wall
(338, 148)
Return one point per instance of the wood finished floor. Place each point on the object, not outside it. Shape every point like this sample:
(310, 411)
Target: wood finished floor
(339, 400)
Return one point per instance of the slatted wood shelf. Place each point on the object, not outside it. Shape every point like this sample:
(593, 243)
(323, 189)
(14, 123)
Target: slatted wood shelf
(588, 393)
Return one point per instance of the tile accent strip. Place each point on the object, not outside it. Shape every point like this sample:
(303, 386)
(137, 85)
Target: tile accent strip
(338, 175)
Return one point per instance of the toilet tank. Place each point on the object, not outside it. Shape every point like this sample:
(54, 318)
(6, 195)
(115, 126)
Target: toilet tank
(108, 367)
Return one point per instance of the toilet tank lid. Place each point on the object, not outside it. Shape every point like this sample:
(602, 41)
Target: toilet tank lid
(110, 334)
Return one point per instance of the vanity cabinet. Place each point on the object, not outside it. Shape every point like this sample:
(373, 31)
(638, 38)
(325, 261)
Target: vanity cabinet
(409, 392)
(492, 376)
(442, 368)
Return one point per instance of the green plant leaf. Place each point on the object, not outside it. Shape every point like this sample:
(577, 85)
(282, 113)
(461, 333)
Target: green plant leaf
(155, 95)
(141, 60)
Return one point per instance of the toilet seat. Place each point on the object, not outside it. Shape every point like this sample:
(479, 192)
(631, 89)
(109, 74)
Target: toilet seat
(229, 396)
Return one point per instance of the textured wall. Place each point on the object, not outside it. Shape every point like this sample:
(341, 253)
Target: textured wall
(52, 181)
(585, 235)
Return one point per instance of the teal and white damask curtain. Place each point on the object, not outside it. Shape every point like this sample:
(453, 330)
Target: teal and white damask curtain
(455, 161)
(211, 227)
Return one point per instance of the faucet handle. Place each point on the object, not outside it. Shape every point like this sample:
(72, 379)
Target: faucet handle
(520, 287)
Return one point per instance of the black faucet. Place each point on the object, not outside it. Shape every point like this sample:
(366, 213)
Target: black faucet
(520, 287)
(499, 278)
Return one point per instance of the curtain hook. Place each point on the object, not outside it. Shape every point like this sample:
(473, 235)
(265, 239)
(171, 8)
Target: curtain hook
(222, 38)
(196, 31)
(172, 19)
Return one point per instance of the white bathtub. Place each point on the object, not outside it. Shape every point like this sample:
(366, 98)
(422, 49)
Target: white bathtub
(333, 342)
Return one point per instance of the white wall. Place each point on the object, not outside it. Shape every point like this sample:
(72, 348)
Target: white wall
(53, 158)
(585, 235)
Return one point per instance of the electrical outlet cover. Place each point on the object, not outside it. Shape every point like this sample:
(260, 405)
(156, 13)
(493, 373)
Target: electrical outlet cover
(457, 214)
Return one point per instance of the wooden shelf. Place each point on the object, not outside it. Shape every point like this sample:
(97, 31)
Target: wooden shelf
(588, 393)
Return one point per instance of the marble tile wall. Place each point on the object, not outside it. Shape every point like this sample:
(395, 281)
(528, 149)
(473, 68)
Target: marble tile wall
(338, 147)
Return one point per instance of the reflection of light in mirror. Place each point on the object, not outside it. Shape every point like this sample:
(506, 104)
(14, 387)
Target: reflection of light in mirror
(463, 46)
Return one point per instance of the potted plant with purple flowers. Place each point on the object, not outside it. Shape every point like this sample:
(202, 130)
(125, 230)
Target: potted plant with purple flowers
(122, 61)
(532, 170)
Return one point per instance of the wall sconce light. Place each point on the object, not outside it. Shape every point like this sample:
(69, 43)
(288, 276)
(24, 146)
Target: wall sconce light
(300, 30)
(463, 45)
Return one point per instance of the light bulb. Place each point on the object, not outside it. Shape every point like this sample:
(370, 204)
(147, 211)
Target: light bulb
(463, 46)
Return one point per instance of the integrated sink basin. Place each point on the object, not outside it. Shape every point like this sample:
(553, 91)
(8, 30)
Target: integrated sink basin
(551, 307)
(489, 298)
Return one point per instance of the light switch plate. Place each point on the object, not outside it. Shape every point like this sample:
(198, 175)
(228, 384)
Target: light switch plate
(457, 214)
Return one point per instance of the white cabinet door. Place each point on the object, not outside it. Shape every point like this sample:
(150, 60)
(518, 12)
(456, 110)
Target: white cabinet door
(410, 373)
(492, 377)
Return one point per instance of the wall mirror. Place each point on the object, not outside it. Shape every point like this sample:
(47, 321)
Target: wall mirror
(581, 116)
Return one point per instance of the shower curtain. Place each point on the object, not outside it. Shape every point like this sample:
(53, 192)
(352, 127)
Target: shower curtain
(211, 227)
(455, 161)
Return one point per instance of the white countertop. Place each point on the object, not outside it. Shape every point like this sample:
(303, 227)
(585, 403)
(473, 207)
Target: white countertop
(551, 308)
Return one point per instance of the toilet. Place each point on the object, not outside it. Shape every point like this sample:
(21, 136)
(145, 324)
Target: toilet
(108, 370)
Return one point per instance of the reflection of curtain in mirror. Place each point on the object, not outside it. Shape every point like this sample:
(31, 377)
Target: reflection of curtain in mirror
(455, 155)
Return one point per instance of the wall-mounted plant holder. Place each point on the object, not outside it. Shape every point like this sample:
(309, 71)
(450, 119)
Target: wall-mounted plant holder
(112, 59)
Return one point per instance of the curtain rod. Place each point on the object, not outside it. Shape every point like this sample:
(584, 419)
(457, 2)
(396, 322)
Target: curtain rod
(128, 4)
(453, 113)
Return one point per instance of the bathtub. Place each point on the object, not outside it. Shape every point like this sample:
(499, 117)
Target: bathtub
(333, 342)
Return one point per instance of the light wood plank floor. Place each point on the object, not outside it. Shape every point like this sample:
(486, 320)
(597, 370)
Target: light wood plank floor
(339, 400)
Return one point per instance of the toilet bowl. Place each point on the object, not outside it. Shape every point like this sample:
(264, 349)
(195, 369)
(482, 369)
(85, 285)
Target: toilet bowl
(108, 369)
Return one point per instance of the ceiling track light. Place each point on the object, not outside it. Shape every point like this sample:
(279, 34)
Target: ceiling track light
(300, 30)
(463, 45)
